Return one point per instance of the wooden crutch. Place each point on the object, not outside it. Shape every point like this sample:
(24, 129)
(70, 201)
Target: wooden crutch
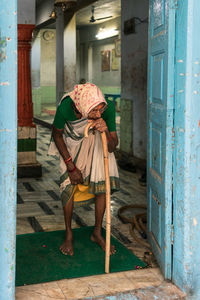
(108, 206)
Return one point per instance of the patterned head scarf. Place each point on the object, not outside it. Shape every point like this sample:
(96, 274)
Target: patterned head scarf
(86, 97)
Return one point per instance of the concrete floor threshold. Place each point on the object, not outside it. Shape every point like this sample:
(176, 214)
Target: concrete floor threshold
(143, 284)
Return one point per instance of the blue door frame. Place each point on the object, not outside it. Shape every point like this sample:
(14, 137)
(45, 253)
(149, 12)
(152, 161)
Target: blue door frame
(8, 146)
(185, 176)
(186, 202)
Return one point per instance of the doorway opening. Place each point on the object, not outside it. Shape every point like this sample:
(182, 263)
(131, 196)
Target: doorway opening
(46, 214)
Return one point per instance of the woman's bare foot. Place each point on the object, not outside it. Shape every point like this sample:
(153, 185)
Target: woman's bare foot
(97, 238)
(67, 246)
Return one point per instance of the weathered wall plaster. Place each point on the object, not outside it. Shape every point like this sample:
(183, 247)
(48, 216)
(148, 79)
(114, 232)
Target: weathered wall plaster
(70, 55)
(134, 78)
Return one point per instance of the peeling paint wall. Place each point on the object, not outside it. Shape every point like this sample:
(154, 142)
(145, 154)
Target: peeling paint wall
(186, 208)
(134, 78)
(8, 146)
(3, 47)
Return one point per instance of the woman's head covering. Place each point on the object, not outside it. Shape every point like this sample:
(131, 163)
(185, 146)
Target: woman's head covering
(86, 97)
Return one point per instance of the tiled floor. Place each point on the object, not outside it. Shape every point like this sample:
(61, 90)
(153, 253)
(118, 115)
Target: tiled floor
(39, 209)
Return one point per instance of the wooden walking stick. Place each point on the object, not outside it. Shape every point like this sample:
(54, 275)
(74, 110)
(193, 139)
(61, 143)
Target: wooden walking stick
(107, 180)
(108, 216)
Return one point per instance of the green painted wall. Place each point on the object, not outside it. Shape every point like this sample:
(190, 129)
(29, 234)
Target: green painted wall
(48, 94)
(36, 98)
(43, 95)
(24, 145)
(110, 89)
(126, 126)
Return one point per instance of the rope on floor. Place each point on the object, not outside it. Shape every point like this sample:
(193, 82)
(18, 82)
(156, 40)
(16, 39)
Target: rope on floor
(137, 223)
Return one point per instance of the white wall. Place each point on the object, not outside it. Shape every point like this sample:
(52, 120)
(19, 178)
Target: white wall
(48, 59)
(35, 62)
(134, 71)
(107, 78)
(90, 49)
(43, 59)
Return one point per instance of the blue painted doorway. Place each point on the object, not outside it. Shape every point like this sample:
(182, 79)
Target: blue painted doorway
(160, 110)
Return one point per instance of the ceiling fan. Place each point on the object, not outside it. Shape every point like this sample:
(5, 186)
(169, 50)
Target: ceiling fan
(92, 19)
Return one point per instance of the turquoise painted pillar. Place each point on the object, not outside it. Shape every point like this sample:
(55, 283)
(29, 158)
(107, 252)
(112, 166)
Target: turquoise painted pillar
(186, 248)
(8, 146)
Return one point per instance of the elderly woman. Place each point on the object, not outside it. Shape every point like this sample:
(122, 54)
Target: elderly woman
(81, 159)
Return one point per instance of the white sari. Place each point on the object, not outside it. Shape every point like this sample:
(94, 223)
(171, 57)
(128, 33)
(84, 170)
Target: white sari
(87, 154)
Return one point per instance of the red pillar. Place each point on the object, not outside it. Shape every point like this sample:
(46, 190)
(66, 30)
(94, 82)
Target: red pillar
(25, 105)
(27, 135)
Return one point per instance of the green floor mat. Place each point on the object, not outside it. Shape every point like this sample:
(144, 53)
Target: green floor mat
(38, 258)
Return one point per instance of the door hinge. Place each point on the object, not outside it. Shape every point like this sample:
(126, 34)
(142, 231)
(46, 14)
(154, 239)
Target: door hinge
(172, 234)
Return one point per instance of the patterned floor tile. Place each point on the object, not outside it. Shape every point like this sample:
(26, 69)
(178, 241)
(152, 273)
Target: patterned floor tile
(40, 208)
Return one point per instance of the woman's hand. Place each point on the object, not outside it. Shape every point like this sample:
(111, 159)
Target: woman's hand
(112, 138)
(99, 125)
(74, 173)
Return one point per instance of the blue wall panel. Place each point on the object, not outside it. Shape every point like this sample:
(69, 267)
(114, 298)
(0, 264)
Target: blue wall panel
(186, 266)
(8, 146)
